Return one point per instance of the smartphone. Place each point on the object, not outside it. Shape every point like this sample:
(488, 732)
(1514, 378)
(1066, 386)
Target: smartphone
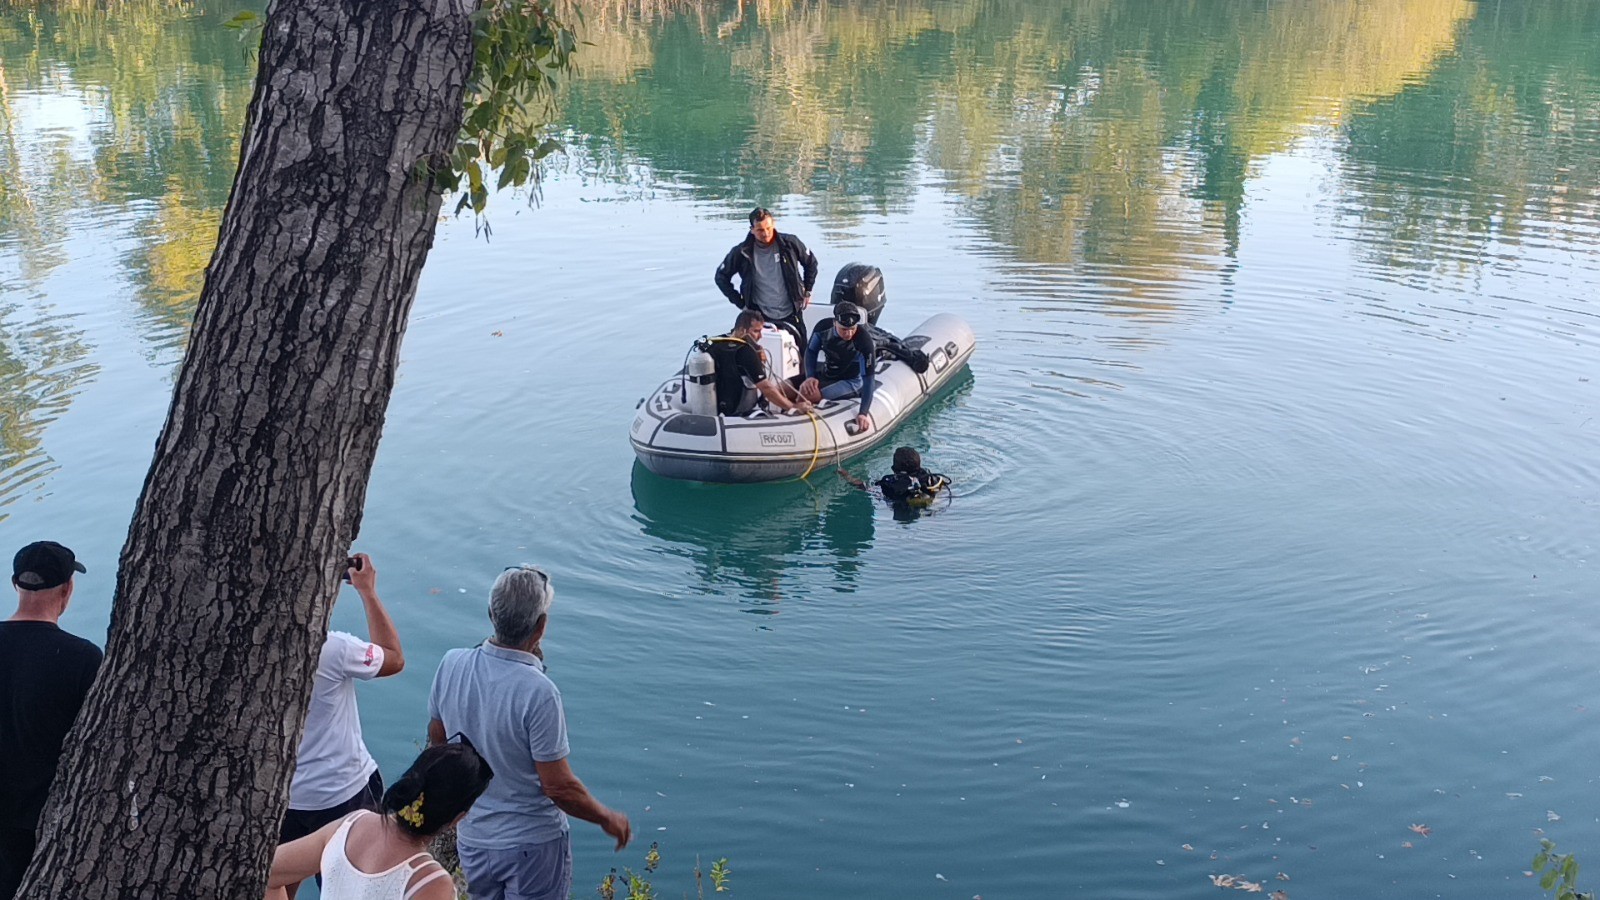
(350, 562)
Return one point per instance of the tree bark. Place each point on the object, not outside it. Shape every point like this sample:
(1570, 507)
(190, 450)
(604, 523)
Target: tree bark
(176, 774)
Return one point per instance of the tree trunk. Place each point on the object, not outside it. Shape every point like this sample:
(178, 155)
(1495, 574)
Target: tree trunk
(176, 775)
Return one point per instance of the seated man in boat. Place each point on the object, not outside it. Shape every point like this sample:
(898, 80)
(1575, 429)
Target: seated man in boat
(742, 377)
(840, 357)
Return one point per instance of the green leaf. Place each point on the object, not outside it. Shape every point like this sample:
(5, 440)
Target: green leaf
(1548, 879)
(1540, 860)
(519, 47)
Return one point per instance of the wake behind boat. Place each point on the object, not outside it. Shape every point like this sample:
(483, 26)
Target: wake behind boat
(677, 432)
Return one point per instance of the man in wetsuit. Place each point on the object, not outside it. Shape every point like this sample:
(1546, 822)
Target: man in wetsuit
(742, 372)
(908, 488)
(839, 359)
(776, 273)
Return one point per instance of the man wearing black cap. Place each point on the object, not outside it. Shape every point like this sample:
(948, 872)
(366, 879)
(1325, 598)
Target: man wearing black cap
(44, 675)
(839, 359)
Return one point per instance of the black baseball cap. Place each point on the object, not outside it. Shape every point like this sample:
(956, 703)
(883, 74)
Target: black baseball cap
(847, 314)
(43, 565)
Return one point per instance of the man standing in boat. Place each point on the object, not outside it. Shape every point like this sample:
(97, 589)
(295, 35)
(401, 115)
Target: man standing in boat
(839, 358)
(776, 273)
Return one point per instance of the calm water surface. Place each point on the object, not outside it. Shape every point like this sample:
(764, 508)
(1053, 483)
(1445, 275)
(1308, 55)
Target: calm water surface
(1276, 484)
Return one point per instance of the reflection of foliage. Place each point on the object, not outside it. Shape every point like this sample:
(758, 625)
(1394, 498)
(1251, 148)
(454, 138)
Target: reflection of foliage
(163, 90)
(1504, 134)
(1100, 131)
(1111, 120)
(126, 113)
(41, 367)
(179, 240)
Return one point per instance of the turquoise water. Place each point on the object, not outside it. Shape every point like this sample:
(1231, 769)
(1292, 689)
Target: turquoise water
(1276, 492)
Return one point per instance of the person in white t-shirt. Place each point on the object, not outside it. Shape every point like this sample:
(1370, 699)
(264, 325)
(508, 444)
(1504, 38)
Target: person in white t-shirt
(334, 775)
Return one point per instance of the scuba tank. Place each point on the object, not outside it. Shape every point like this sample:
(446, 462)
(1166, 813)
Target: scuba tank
(699, 394)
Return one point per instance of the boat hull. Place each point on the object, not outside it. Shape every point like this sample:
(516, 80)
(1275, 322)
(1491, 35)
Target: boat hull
(676, 444)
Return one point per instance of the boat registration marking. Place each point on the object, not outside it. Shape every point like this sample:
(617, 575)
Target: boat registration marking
(777, 439)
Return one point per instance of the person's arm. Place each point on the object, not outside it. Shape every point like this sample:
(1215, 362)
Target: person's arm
(752, 365)
(813, 350)
(869, 381)
(778, 398)
(435, 733)
(808, 262)
(564, 789)
(300, 859)
(724, 277)
(380, 628)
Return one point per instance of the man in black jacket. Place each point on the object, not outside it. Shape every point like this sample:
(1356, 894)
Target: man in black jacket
(45, 673)
(776, 273)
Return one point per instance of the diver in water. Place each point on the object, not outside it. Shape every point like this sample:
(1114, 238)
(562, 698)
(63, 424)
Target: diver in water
(908, 487)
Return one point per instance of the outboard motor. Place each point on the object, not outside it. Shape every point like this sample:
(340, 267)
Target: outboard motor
(862, 285)
(699, 394)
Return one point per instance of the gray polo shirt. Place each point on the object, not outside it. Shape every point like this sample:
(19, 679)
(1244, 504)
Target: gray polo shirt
(511, 712)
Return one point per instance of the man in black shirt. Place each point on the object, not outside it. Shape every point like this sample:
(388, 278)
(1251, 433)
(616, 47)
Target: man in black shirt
(44, 675)
(741, 372)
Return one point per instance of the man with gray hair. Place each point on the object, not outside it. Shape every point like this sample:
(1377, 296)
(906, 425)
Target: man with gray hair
(514, 843)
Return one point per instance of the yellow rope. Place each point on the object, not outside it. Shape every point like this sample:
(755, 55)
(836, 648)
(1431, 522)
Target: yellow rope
(816, 444)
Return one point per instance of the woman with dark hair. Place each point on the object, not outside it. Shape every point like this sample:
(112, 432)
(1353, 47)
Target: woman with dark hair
(372, 856)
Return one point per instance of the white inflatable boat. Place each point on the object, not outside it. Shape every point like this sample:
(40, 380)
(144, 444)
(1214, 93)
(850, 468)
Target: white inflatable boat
(674, 436)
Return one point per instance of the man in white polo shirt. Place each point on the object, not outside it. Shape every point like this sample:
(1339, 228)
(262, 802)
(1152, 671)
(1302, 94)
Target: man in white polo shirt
(334, 774)
(514, 842)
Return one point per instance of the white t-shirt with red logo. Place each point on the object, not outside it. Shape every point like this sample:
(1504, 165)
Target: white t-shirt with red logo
(333, 763)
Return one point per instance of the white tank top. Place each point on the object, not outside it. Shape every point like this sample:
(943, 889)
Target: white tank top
(341, 880)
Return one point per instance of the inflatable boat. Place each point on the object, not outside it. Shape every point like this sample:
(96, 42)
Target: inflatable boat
(677, 432)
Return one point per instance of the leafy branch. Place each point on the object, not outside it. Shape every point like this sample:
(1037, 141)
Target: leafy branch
(631, 885)
(520, 47)
(1558, 872)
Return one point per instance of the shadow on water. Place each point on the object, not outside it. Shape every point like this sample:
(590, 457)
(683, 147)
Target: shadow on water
(763, 540)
